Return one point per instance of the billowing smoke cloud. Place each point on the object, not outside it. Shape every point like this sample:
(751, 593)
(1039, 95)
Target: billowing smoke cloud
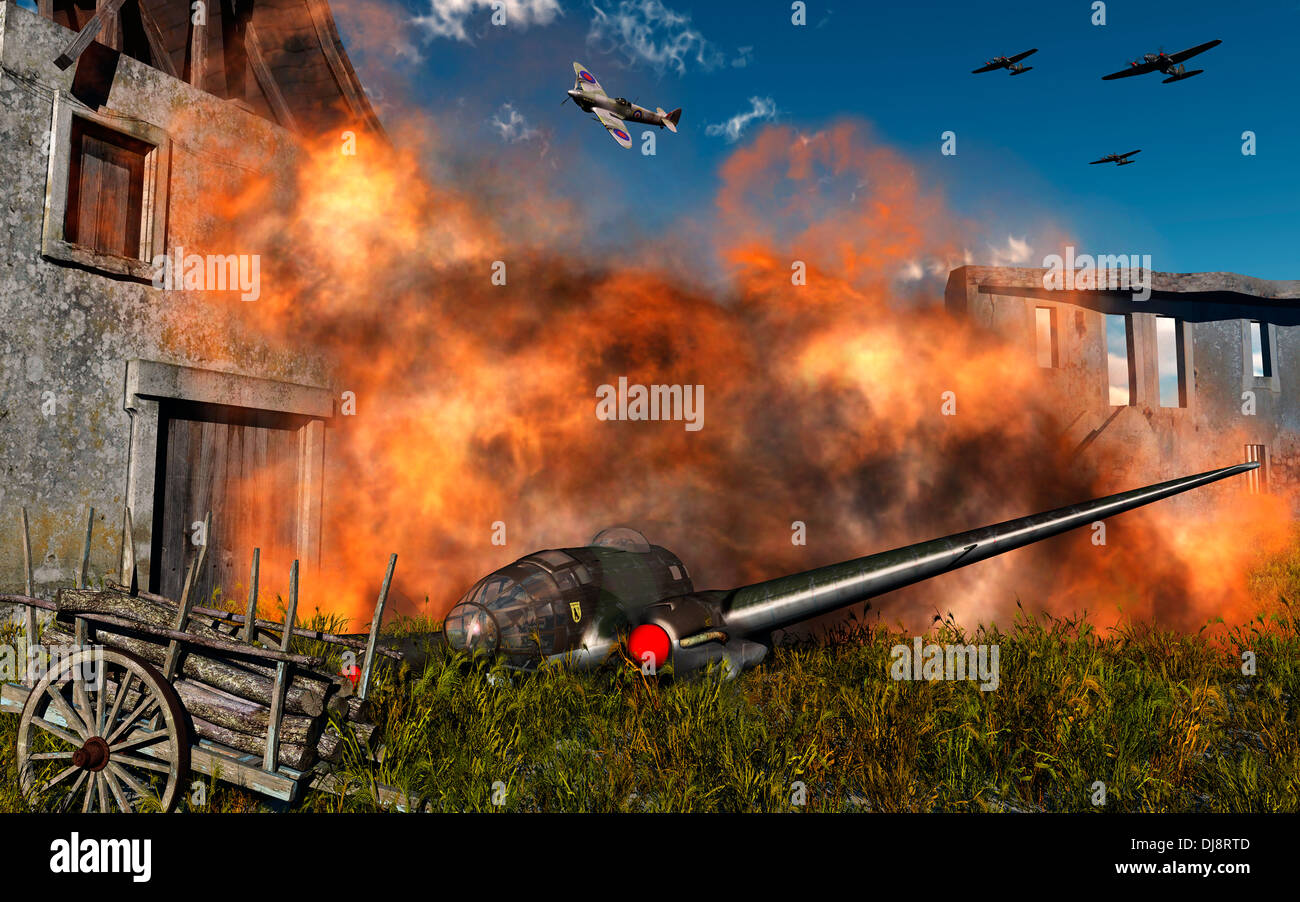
(475, 349)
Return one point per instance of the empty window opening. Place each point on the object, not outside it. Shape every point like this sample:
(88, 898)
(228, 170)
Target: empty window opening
(1120, 362)
(1257, 479)
(106, 175)
(1171, 362)
(1261, 360)
(1048, 340)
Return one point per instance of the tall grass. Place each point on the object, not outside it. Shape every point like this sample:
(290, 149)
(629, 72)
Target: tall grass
(1164, 721)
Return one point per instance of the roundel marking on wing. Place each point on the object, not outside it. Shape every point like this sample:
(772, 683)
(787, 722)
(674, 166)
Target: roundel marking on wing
(622, 134)
(586, 76)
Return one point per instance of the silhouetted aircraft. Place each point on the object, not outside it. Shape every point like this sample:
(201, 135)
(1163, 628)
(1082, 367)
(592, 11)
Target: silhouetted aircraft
(1006, 62)
(1121, 159)
(1164, 62)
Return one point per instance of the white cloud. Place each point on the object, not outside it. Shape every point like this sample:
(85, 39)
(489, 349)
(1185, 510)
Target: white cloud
(646, 31)
(511, 125)
(933, 268)
(1015, 252)
(745, 54)
(761, 109)
(448, 18)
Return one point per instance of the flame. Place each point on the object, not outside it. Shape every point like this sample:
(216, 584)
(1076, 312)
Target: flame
(824, 401)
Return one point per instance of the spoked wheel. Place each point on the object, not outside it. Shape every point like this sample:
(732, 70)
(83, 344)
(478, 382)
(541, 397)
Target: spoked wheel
(102, 731)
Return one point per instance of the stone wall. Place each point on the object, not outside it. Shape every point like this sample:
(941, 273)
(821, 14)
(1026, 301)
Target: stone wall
(67, 332)
(1215, 310)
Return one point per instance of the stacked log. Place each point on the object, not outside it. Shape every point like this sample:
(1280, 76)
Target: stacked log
(227, 694)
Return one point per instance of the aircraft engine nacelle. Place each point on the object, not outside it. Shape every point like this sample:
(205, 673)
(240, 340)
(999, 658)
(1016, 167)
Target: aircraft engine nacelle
(689, 632)
(1178, 73)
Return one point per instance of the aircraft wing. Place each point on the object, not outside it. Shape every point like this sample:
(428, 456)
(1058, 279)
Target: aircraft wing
(1019, 56)
(617, 127)
(1102, 160)
(1129, 154)
(986, 68)
(1139, 69)
(586, 81)
(1188, 54)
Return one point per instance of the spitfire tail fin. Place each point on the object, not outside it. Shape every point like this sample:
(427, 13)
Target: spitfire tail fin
(670, 119)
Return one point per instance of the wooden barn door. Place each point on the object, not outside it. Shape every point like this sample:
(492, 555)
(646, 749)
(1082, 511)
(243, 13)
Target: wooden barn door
(245, 467)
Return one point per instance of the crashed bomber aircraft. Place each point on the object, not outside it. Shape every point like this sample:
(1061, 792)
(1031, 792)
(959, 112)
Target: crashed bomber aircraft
(576, 605)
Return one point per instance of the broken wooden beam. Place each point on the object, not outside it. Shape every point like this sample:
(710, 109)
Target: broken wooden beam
(157, 46)
(198, 52)
(106, 12)
(368, 667)
(262, 72)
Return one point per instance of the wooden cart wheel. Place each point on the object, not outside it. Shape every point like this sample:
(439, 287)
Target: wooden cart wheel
(84, 744)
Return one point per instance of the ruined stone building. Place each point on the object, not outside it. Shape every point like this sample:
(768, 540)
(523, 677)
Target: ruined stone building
(1204, 373)
(111, 393)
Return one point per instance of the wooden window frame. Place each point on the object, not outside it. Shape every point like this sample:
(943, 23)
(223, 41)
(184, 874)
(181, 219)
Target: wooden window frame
(153, 206)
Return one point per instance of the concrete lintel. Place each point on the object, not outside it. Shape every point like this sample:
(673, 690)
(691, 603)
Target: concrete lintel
(1246, 288)
(154, 380)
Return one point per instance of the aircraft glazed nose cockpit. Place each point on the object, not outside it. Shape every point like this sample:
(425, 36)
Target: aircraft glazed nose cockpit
(501, 613)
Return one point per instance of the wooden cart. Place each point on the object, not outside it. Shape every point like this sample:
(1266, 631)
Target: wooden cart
(138, 705)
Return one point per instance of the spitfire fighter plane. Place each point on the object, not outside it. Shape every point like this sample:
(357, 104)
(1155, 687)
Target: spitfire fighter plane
(579, 606)
(1168, 63)
(1006, 62)
(1120, 159)
(613, 112)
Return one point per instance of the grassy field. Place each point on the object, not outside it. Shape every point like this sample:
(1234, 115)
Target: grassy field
(1166, 722)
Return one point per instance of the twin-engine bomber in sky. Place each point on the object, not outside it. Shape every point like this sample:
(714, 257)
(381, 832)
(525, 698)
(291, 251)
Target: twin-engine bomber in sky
(577, 605)
(612, 112)
(1119, 159)
(1006, 62)
(1168, 63)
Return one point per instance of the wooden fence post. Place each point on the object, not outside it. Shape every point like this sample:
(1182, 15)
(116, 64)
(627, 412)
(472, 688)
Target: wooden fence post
(367, 668)
(282, 674)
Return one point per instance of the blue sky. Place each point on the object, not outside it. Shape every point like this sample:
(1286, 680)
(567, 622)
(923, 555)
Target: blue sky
(1193, 200)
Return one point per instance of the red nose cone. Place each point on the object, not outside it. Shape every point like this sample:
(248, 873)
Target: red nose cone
(649, 639)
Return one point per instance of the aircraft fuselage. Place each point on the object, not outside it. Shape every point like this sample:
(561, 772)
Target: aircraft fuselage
(623, 109)
(576, 605)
